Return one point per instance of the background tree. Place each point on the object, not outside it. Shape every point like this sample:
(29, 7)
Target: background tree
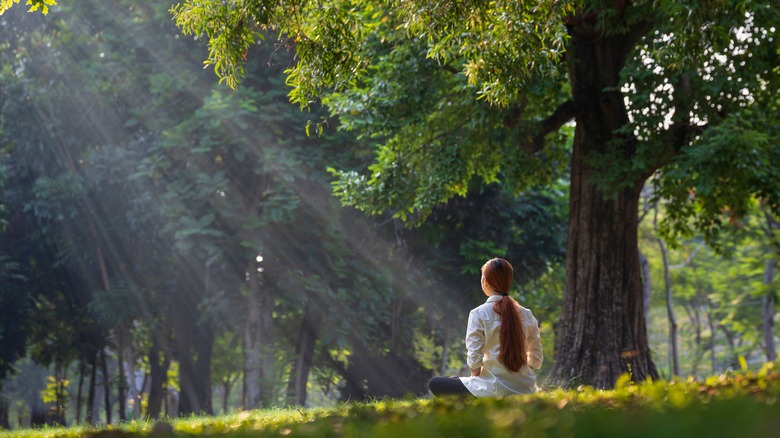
(648, 92)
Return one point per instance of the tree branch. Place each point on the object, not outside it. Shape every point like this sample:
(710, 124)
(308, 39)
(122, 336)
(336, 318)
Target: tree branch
(582, 24)
(535, 142)
(451, 69)
(681, 131)
(687, 259)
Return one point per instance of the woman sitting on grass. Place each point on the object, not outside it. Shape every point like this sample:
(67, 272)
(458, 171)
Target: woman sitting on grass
(502, 340)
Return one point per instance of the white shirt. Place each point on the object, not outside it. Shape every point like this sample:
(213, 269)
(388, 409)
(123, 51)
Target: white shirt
(482, 344)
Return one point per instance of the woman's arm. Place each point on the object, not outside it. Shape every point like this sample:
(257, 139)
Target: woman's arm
(533, 342)
(475, 341)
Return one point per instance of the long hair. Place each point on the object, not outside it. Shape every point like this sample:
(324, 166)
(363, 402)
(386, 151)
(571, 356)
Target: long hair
(498, 275)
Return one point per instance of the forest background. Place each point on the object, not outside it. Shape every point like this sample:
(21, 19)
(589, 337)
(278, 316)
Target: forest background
(170, 245)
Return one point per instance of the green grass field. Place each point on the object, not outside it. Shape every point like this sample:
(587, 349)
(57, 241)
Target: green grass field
(740, 405)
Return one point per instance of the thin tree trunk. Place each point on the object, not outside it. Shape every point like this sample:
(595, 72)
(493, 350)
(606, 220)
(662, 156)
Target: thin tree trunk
(106, 386)
(670, 311)
(602, 333)
(226, 386)
(4, 423)
(304, 354)
(194, 343)
(91, 416)
(133, 391)
(733, 359)
(769, 312)
(82, 371)
(194, 369)
(252, 335)
(267, 345)
(60, 373)
(646, 286)
(692, 311)
(266, 339)
(122, 384)
(205, 349)
(158, 372)
(445, 353)
(713, 359)
(395, 321)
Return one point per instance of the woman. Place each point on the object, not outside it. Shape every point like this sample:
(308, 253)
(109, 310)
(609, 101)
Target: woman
(502, 340)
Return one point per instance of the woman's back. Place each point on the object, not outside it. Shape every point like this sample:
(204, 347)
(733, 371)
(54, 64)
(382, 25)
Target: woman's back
(484, 348)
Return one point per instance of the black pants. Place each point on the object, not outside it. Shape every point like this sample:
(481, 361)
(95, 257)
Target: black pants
(447, 386)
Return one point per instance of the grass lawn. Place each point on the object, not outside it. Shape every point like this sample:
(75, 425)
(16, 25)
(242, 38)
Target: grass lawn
(740, 405)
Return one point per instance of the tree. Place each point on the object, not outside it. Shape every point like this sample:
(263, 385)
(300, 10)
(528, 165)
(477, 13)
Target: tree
(15, 300)
(650, 92)
(35, 5)
(102, 229)
(16, 305)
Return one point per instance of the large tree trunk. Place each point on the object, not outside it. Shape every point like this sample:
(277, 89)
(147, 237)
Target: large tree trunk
(304, 353)
(769, 313)
(602, 332)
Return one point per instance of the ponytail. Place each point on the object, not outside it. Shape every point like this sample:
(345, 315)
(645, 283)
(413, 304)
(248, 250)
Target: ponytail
(511, 337)
(498, 275)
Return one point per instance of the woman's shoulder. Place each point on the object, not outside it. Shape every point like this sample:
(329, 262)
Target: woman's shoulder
(483, 307)
(526, 314)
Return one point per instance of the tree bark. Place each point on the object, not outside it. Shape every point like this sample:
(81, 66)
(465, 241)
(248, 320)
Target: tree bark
(602, 332)
(769, 312)
(304, 353)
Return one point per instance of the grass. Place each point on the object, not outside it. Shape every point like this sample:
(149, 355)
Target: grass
(743, 405)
